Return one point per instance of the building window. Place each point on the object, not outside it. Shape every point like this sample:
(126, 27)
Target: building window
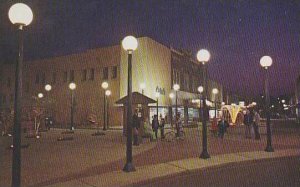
(8, 82)
(114, 72)
(65, 76)
(84, 74)
(27, 87)
(37, 78)
(4, 99)
(105, 73)
(92, 74)
(11, 99)
(53, 78)
(43, 79)
(72, 76)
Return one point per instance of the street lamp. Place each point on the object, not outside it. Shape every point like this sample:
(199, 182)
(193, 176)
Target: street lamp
(40, 95)
(104, 85)
(72, 87)
(215, 91)
(283, 101)
(107, 94)
(203, 57)
(200, 90)
(266, 62)
(171, 96)
(20, 15)
(176, 87)
(129, 44)
(48, 87)
(157, 96)
(143, 86)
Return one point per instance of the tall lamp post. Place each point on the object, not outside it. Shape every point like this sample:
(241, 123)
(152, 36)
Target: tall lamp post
(48, 88)
(171, 96)
(143, 86)
(157, 96)
(40, 96)
(266, 62)
(20, 15)
(107, 94)
(203, 56)
(104, 85)
(129, 44)
(176, 87)
(215, 91)
(72, 87)
(200, 90)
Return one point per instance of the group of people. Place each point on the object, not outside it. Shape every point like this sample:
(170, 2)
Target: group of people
(252, 119)
(151, 129)
(148, 131)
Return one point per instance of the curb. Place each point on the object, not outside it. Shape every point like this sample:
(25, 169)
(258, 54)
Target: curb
(149, 173)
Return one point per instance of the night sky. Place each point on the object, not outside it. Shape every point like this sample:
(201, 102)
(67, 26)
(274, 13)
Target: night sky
(237, 33)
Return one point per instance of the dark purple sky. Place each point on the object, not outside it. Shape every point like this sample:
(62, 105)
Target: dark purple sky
(237, 33)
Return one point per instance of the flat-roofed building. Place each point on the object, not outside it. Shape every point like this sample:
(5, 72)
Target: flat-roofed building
(156, 66)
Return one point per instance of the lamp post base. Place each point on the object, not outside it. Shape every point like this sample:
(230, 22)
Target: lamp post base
(204, 155)
(269, 148)
(129, 167)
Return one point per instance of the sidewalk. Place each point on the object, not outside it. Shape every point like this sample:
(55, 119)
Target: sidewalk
(154, 172)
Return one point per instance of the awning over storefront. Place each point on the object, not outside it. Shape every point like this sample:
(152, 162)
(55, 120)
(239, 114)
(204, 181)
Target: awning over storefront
(137, 98)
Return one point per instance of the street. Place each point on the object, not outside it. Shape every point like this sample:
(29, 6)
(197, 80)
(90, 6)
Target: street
(262, 173)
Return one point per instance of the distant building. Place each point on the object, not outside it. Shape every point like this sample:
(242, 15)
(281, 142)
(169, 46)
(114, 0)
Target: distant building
(155, 65)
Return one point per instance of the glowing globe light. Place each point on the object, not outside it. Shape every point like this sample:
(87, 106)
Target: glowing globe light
(129, 43)
(72, 86)
(107, 92)
(203, 56)
(266, 61)
(104, 85)
(171, 95)
(48, 87)
(215, 91)
(40, 95)
(200, 89)
(20, 14)
(176, 87)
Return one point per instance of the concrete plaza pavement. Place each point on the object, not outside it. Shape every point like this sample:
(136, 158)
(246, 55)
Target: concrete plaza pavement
(88, 159)
(150, 173)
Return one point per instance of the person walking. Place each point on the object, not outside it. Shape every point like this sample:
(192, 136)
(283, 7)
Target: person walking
(155, 125)
(162, 128)
(179, 127)
(148, 132)
(256, 123)
(222, 125)
(248, 120)
(136, 126)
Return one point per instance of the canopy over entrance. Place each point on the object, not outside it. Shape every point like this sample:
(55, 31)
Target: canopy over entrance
(140, 102)
(137, 98)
